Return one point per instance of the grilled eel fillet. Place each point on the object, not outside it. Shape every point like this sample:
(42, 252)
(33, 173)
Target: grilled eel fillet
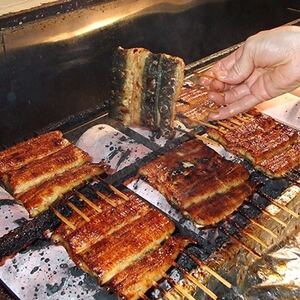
(192, 173)
(264, 142)
(193, 105)
(145, 89)
(121, 244)
(63, 232)
(105, 223)
(123, 247)
(39, 198)
(280, 164)
(23, 153)
(41, 170)
(136, 279)
(216, 208)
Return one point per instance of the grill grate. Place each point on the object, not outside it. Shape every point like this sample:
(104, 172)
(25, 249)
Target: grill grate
(209, 240)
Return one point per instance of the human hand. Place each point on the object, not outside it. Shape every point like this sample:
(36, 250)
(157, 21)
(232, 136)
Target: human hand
(265, 66)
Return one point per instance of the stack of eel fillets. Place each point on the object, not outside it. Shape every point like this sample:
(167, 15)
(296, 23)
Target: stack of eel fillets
(198, 181)
(40, 170)
(272, 147)
(126, 244)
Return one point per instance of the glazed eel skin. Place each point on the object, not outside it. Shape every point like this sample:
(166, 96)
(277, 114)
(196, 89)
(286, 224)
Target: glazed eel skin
(120, 249)
(145, 89)
(127, 245)
(39, 198)
(136, 279)
(271, 147)
(192, 176)
(41, 170)
(23, 153)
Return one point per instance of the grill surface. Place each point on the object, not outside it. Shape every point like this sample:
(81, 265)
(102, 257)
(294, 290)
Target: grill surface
(209, 239)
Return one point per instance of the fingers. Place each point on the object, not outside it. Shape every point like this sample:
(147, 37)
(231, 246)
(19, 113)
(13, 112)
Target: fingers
(232, 69)
(239, 67)
(237, 107)
(229, 96)
(212, 84)
(296, 92)
(275, 82)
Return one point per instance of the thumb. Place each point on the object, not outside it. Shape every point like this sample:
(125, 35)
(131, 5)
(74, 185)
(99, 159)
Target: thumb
(237, 67)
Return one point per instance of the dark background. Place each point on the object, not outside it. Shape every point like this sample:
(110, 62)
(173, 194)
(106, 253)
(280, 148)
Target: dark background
(42, 84)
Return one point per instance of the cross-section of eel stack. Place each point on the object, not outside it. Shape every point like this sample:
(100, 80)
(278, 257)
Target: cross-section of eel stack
(122, 241)
(42, 169)
(200, 182)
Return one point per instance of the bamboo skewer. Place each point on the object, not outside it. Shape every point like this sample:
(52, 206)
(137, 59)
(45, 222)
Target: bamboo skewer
(279, 205)
(225, 125)
(165, 293)
(206, 139)
(243, 245)
(248, 115)
(105, 198)
(208, 125)
(168, 296)
(183, 292)
(263, 228)
(142, 296)
(254, 238)
(79, 212)
(210, 271)
(274, 218)
(199, 284)
(253, 252)
(114, 190)
(243, 120)
(212, 110)
(89, 202)
(252, 221)
(286, 209)
(179, 288)
(118, 192)
(63, 219)
(235, 122)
